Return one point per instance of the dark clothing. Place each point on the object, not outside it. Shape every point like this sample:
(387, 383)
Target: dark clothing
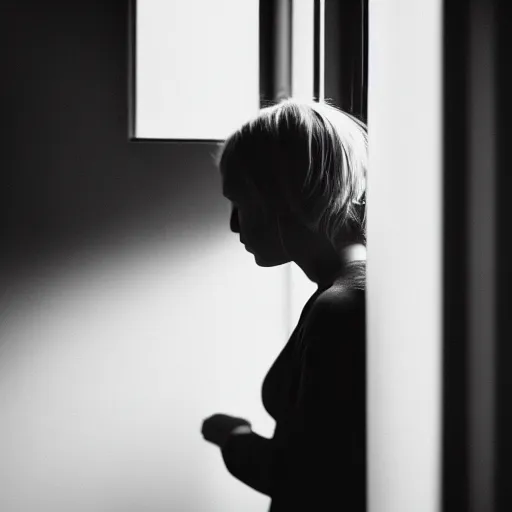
(316, 393)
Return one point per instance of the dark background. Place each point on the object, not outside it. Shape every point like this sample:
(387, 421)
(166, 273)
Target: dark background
(70, 175)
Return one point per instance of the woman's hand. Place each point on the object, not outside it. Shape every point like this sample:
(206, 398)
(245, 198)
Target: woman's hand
(217, 428)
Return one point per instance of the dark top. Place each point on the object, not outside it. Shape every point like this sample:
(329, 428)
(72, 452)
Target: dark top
(316, 393)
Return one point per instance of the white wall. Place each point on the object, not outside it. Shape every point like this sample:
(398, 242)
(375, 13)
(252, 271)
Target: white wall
(404, 255)
(110, 360)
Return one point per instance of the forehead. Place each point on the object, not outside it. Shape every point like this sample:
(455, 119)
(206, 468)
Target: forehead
(235, 184)
(245, 178)
(228, 186)
(245, 195)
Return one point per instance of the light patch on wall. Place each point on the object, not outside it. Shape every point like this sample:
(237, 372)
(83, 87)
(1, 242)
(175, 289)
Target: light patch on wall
(302, 49)
(196, 69)
(111, 362)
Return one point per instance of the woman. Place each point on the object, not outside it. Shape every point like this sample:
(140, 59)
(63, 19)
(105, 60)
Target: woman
(296, 178)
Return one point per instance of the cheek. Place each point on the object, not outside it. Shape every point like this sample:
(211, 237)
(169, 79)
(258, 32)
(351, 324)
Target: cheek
(270, 239)
(251, 222)
(261, 229)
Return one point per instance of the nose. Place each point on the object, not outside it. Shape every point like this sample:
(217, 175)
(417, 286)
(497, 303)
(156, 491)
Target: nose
(233, 223)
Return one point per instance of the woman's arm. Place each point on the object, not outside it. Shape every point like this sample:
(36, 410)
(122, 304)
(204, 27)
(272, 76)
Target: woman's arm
(248, 457)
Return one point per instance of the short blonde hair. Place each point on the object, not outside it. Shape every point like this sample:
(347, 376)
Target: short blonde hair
(305, 158)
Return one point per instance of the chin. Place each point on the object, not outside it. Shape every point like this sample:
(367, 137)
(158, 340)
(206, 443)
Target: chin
(269, 262)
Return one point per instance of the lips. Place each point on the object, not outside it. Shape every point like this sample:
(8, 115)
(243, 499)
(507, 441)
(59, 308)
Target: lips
(245, 244)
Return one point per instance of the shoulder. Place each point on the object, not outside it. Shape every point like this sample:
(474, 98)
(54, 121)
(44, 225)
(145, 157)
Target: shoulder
(346, 294)
(340, 296)
(340, 308)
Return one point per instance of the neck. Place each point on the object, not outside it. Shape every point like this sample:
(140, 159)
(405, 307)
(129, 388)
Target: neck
(353, 252)
(315, 255)
(326, 267)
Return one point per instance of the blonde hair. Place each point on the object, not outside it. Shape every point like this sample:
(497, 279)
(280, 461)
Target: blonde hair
(307, 159)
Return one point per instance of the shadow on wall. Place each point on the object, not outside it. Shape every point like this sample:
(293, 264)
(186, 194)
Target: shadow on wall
(70, 174)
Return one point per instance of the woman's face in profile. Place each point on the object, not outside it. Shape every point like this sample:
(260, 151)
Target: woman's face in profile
(258, 228)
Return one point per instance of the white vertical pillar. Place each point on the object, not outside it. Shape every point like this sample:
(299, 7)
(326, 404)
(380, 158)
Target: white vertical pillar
(404, 267)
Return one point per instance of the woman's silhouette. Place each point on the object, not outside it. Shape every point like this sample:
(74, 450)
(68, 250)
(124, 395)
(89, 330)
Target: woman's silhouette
(296, 178)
